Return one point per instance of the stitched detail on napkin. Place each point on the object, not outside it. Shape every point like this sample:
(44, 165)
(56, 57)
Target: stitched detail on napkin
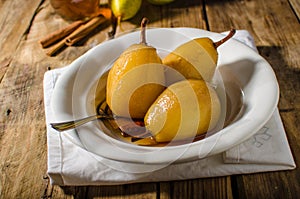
(268, 146)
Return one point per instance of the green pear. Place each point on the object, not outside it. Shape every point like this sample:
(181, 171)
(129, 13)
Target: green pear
(125, 9)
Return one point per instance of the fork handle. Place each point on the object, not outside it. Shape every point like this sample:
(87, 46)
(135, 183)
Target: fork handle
(63, 126)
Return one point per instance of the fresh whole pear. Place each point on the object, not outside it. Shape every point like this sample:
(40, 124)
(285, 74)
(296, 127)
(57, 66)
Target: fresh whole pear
(125, 9)
(135, 80)
(185, 109)
(195, 59)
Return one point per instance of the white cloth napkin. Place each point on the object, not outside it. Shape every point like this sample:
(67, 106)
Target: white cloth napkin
(70, 164)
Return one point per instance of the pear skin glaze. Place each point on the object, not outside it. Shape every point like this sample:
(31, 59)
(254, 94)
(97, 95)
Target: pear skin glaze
(135, 80)
(184, 110)
(195, 59)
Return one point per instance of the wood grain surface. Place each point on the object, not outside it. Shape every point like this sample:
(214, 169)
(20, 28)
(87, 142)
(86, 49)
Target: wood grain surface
(23, 62)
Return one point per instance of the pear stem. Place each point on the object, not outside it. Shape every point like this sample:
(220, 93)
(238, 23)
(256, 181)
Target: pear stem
(119, 24)
(219, 43)
(143, 31)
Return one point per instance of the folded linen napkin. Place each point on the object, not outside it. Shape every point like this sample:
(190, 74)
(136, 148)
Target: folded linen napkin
(71, 164)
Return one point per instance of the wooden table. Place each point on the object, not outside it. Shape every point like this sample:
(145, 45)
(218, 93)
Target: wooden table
(23, 153)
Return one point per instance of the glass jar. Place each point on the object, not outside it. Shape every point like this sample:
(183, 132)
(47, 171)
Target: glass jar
(76, 9)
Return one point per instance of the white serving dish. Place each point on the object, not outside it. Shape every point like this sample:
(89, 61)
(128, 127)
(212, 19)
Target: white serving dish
(73, 97)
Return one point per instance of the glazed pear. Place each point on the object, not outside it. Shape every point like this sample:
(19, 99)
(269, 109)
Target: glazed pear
(195, 59)
(185, 109)
(135, 80)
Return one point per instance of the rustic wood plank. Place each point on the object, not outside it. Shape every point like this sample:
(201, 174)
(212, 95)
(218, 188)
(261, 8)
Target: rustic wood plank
(268, 184)
(198, 188)
(23, 136)
(289, 107)
(266, 22)
(175, 14)
(295, 4)
(63, 192)
(141, 190)
(14, 22)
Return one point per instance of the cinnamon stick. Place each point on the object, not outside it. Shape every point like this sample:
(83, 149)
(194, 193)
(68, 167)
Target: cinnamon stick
(78, 34)
(81, 31)
(59, 34)
(56, 47)
(84, 30)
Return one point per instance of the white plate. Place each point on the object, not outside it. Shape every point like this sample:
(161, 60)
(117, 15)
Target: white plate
(73, 97)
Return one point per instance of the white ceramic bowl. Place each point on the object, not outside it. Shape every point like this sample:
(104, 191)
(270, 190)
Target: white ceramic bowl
(73, 97)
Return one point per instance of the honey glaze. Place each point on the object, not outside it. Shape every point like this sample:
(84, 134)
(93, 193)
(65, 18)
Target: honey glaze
(134, 132)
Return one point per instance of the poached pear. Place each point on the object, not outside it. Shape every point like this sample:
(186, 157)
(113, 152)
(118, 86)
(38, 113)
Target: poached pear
(183, 110)
(195, 59)
(135, 80)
